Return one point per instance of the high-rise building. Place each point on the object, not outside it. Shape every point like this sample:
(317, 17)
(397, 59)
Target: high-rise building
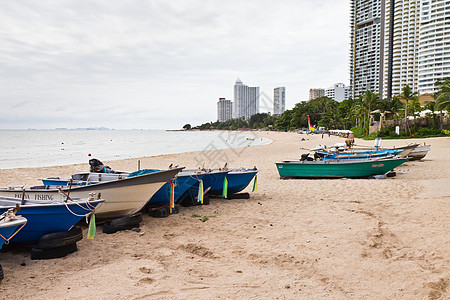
(400, 46)
(434, 44)
(338, 92)
(246, 100)
(396, 43)
(366, 45)
(224, 110)
(316, 93)
(279, 100)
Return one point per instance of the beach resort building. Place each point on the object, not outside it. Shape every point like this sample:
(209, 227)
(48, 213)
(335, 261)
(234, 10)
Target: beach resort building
(316, 93)
(338, 92)
(246, 100)
(279, 100)
(224, 110)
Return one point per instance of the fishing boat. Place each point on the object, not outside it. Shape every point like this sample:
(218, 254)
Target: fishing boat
(123, 197)
(10, 224)
(86, 178)
(44, 217)
(237, 180)
(211, 179)
(183, 182)
(419, 152)
(351, 168)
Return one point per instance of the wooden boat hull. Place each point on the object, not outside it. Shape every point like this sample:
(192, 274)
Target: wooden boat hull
(334, 169)
(122, 197)
(419, 152)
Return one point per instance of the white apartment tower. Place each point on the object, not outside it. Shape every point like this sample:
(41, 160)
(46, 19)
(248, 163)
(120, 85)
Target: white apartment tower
(434, 44)
(279, 100)
(246, 100)
(413, 42)
(224, 110)
(338, 92)
(401, 46)
(366, 45)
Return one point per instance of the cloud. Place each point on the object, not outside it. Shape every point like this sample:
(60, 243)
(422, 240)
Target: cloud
(161, 64)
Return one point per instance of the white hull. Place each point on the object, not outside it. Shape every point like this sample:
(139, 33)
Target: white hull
(122, 197)
(419, 152)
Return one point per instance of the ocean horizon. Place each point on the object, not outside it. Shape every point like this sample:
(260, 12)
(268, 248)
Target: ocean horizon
(31, 148)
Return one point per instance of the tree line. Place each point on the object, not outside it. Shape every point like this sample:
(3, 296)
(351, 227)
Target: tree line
(354, 114)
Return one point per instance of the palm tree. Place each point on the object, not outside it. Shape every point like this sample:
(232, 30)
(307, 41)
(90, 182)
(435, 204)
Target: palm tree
(369, 99)
(442, 96)
(407, 94)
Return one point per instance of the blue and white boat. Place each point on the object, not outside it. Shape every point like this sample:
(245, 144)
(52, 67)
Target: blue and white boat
(44, 217)
(211, 180)
(10, 224)
(237, 180)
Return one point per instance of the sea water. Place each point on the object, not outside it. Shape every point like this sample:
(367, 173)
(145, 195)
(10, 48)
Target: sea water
(39, 148)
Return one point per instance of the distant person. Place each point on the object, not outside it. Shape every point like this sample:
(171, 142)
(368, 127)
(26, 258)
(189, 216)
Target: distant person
(322, 134)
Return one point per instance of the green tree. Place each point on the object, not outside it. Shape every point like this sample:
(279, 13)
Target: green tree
(187, 127)
(407, 94)
(442, 96)
(369, 100)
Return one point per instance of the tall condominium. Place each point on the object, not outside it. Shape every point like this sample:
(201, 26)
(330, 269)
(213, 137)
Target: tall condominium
(338, 92)
(246, 100)
(224, 110)
(434, 43)
(316, 93)
(279, 100)
(401, 46)
(396, 43)
(366, 44)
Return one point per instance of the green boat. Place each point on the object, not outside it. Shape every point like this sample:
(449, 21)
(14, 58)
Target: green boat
(337, 169)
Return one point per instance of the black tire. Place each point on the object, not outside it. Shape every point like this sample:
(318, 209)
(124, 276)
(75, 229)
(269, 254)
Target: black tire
(161, 212)
(60, 239)
(1, 273)
(125, 223)
(53, 253)
(175, 210)
(239, 196)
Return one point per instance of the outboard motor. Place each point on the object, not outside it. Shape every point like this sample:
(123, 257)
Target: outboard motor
(98, 167)
(305, 156)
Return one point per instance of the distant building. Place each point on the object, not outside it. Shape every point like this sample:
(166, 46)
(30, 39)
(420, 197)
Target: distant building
(338, 92)
(246, 100)
(316, 93)
(279, 100)
(224, 110)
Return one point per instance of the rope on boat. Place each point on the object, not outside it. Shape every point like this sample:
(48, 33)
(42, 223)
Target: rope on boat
(11, 213)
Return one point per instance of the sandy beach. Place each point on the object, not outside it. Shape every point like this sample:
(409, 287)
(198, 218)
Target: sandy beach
(293, 239)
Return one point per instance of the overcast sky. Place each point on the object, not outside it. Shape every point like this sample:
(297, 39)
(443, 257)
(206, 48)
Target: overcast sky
(161, 64)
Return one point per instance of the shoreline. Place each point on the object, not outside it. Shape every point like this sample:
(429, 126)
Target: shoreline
(219, 141)
(302, 238)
